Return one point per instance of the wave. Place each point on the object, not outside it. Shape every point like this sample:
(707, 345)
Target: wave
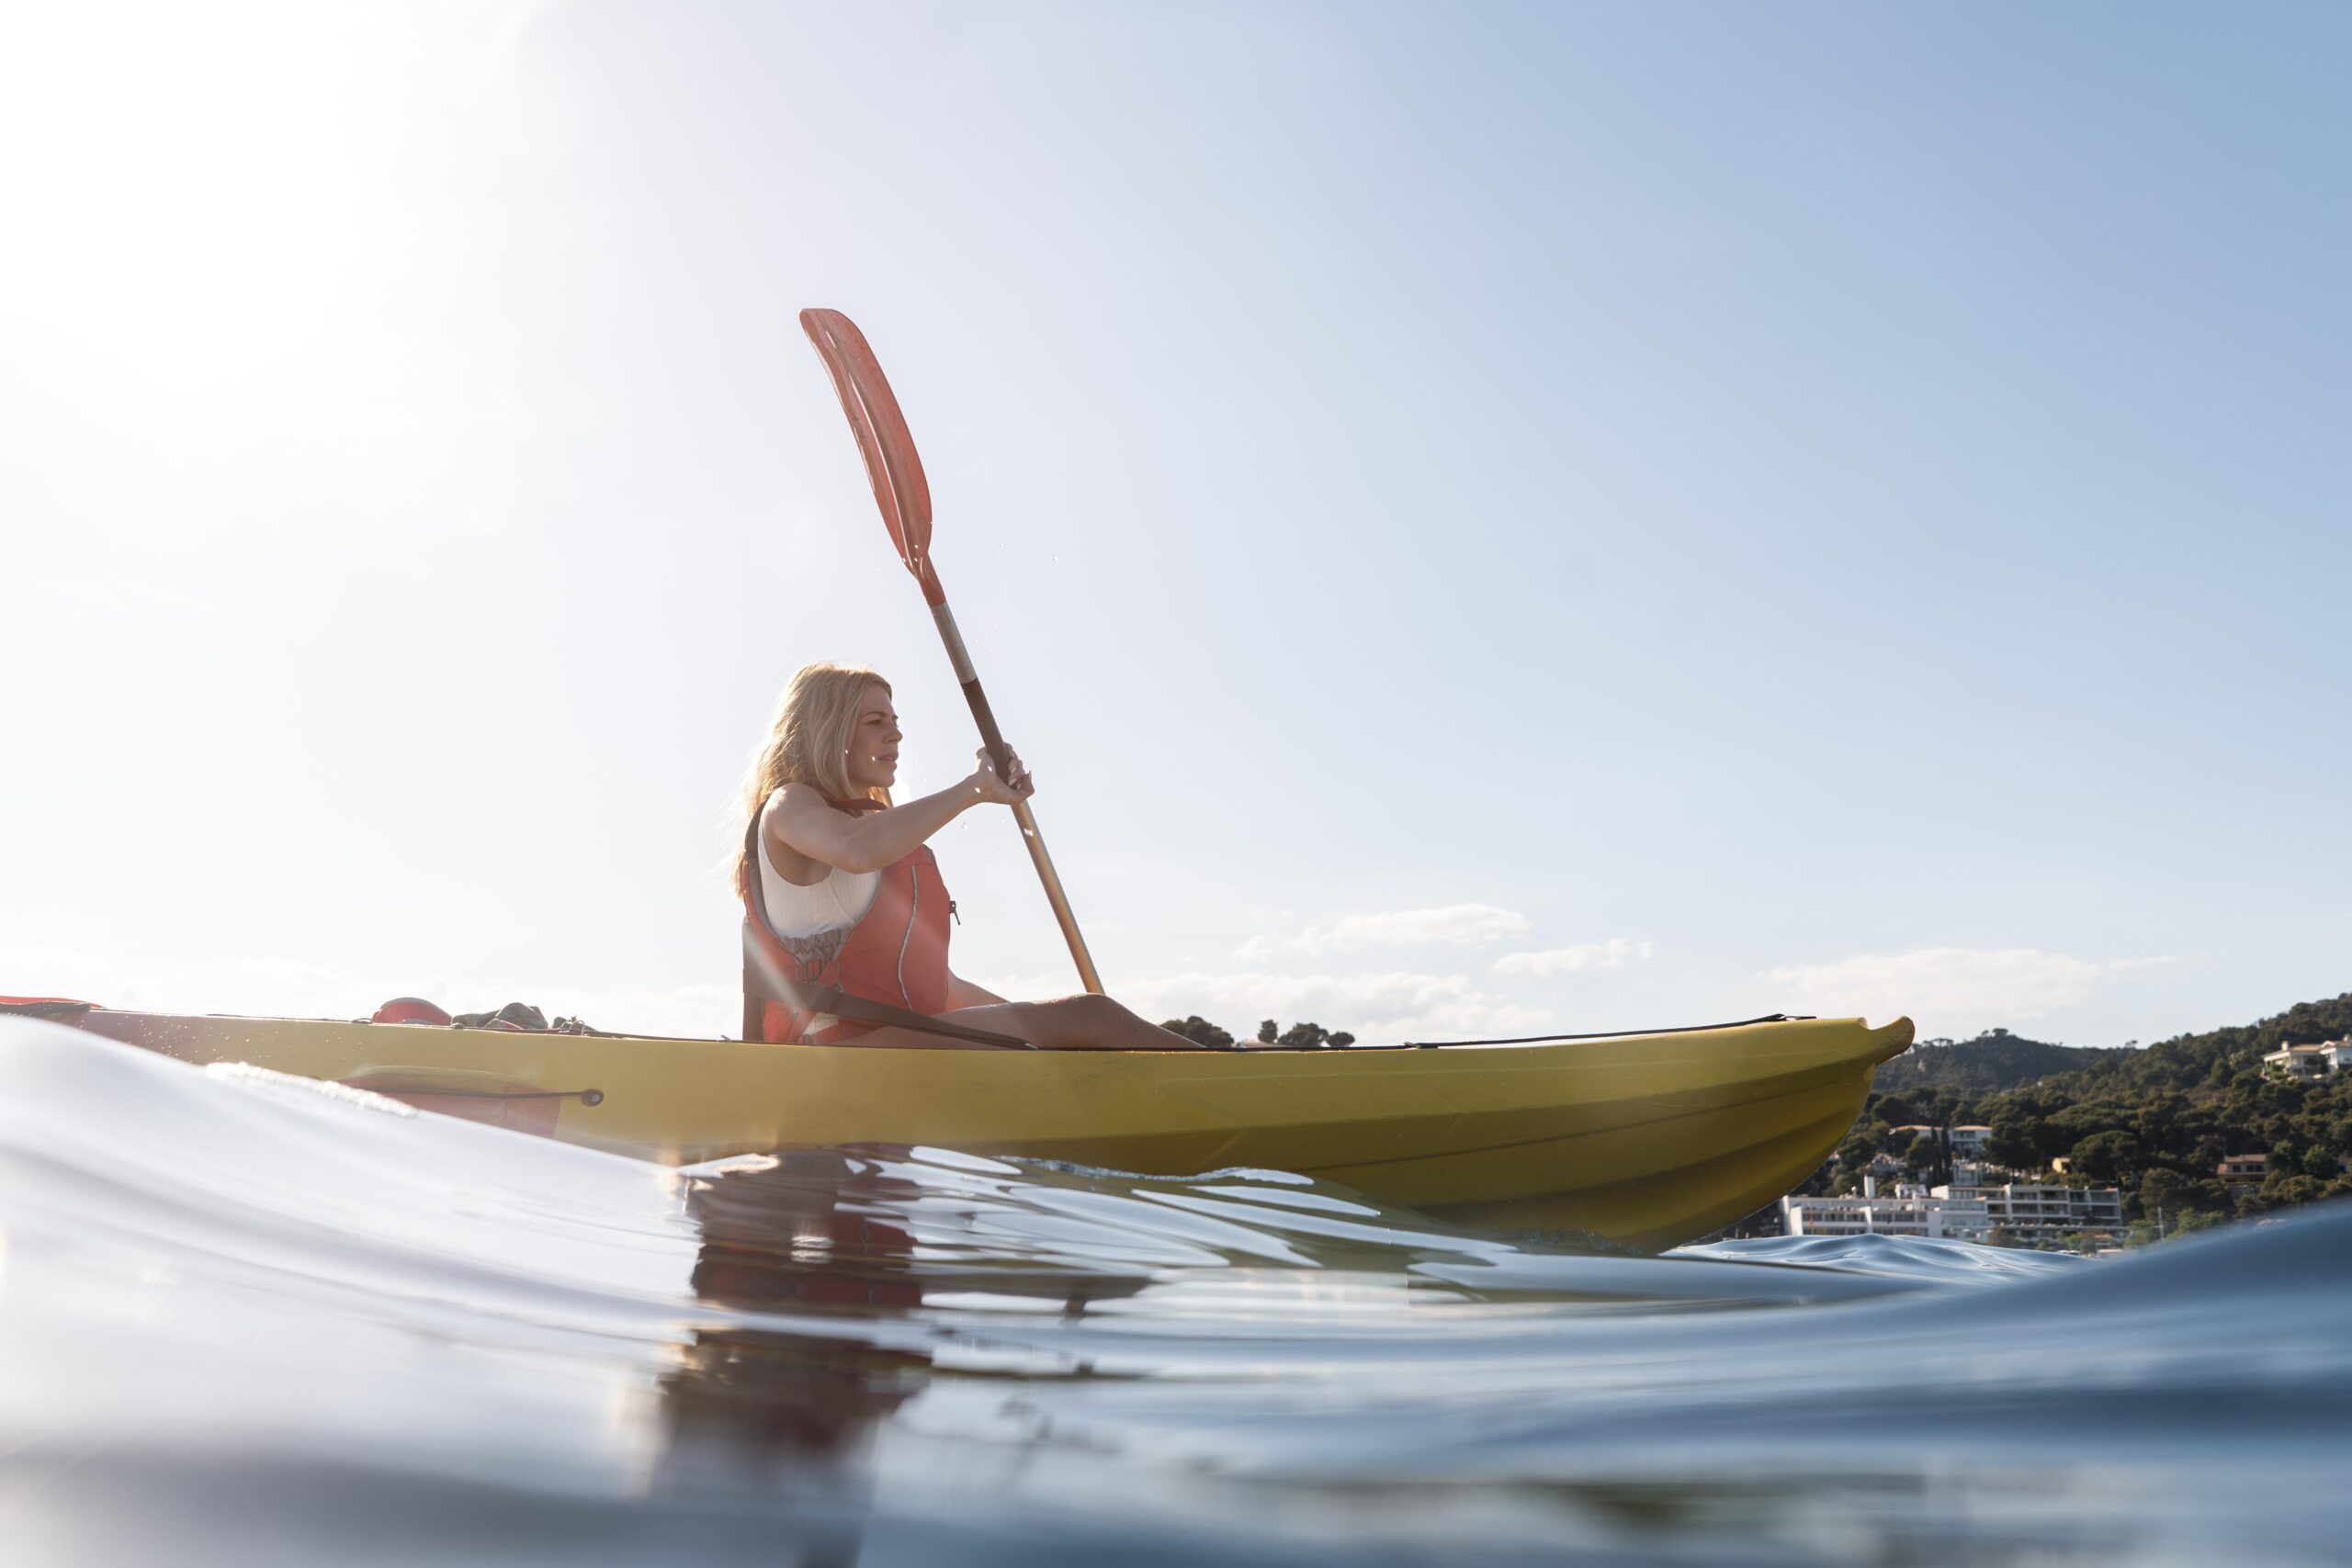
(249, 1318)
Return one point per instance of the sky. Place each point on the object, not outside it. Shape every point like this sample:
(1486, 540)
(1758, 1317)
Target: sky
(1482, 519)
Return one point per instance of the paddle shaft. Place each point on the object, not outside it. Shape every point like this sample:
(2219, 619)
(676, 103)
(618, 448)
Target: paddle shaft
(904, 497)
(994, 739)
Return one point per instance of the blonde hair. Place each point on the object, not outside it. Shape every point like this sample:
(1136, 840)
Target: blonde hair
(809, 743)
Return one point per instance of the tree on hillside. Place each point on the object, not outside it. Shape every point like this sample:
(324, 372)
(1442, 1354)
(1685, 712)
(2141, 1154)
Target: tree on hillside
(2015, 1143)
(1986, 1065)
(1305, 1036)
(2177, 1196)
(2292, 1190)
(1896, 1111)
(1199, 1029)
(2111, 1155)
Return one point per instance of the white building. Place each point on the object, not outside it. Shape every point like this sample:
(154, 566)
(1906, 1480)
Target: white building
(1913, 1210)
(2311, 1063)
(2046, 1214)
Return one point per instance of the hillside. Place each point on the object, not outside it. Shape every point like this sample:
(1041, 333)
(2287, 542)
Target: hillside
(1993, 1061)
(2153, 1121)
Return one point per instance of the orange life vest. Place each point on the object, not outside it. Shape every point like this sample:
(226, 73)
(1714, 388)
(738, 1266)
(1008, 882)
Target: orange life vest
(895, 954)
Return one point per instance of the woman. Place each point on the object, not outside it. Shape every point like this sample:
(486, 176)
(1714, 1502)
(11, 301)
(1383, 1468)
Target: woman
(842, 893)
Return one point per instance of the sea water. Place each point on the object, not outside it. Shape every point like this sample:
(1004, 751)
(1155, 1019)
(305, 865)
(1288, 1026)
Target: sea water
(247, 1319)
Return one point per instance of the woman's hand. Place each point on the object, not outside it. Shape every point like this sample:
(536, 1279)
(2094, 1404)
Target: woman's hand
(995, 791)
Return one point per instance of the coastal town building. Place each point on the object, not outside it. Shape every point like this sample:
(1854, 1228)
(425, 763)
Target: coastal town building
(1913, 1210)
(2243, 1169)
(2311, 1063)
(2044, 1213)
(1970, 1210)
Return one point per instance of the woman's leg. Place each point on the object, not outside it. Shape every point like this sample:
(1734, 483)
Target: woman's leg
(1067, 1023)
(1075, 1023)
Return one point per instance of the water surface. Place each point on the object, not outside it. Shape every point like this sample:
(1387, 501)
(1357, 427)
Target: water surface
(246, 1319)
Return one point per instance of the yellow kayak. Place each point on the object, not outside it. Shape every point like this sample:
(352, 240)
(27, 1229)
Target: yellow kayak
(1646, 1139)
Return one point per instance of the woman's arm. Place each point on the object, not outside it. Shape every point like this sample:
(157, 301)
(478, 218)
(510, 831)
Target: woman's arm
(872, 840)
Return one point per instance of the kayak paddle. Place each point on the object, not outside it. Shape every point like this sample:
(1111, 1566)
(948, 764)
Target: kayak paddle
(900, 491)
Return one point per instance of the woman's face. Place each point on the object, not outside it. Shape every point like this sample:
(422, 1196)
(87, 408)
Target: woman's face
(874, 745)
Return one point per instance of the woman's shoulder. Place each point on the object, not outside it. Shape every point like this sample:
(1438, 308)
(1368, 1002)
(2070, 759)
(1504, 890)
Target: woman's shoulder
(795, 796)
(805, 803)
(785, 804)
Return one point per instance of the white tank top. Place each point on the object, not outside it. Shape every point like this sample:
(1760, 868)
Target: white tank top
(836, 902)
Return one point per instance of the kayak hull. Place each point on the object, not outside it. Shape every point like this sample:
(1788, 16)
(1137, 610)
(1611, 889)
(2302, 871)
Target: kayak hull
(1647, 1140)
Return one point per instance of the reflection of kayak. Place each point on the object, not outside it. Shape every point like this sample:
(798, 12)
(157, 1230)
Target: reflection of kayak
(1646, 1139)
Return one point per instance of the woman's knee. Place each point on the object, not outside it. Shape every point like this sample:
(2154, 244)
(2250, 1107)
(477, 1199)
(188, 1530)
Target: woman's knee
(1087, 1010)
(1085, 1016)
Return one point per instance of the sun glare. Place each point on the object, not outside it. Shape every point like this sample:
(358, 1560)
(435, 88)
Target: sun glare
(238, 236)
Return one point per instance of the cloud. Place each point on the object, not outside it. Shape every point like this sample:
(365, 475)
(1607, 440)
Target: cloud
(1450, 925)
(1612, 955)
(1954, 986)
(1376, 1008)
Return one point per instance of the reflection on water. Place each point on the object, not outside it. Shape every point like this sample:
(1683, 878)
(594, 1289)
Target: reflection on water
(242, 1320)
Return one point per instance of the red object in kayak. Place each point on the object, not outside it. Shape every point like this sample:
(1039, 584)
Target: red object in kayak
(46, 1007)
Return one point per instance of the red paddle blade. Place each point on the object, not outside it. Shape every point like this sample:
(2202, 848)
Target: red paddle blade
(900, 488)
